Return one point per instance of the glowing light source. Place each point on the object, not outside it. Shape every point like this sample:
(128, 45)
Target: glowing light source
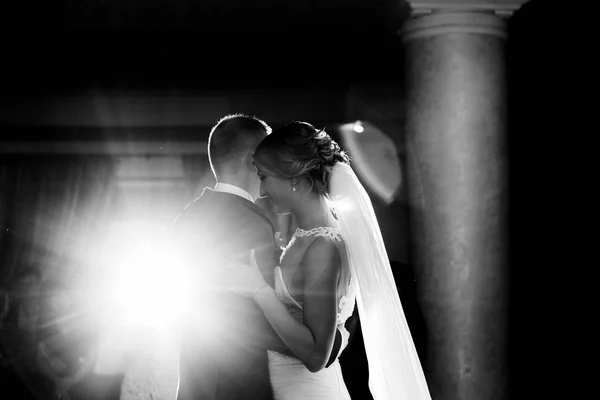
(342, 204)
(147, 287)
(146, 295)
(358, 127)
(149, 290)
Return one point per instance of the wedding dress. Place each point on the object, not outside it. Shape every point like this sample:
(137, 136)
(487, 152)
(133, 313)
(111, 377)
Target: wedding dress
(290, 379)
(395, 371)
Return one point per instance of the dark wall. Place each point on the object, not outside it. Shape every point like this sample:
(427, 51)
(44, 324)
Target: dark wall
(199, 44)
(542, 66)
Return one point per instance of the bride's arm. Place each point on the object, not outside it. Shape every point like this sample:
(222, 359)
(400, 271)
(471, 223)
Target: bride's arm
(311, 341)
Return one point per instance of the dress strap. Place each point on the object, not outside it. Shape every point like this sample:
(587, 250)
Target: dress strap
(327, 231)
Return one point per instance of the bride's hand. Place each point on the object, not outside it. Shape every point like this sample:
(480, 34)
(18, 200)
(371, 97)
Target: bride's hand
(244, 279)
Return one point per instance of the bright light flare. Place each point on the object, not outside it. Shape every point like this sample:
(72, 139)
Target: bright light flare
(146, 295)
(150, 290)
(144, 286)
(342, 204)
(358, 127)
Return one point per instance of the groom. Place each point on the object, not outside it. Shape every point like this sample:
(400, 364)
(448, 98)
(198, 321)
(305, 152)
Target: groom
(224, 341)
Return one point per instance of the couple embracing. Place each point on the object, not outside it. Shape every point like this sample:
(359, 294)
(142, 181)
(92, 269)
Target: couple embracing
(260, 326)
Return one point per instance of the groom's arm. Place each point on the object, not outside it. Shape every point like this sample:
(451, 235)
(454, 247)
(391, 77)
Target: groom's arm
(261, 334)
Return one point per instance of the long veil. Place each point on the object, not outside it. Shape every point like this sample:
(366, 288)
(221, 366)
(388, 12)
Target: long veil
(395, 372)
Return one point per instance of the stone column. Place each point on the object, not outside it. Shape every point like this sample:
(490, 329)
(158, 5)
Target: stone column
(457, 185)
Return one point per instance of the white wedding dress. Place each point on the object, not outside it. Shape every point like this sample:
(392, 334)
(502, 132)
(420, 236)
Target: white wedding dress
(395, 371)
(290, 379)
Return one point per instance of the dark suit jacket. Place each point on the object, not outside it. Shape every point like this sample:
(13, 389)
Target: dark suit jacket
(224, 339)
(225, 335)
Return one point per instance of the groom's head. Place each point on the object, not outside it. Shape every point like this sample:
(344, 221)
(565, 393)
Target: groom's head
(231, 143)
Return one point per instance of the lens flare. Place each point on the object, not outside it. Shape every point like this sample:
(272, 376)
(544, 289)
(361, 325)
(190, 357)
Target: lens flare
(375, 158)
(149, 289)
(358, 127)
(145, 287)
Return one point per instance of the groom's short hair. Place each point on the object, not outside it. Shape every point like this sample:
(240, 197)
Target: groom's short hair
(231, 138)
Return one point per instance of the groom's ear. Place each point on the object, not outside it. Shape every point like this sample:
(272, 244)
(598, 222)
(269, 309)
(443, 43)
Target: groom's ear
(251, 164)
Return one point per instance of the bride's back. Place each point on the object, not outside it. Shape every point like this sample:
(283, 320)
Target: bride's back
(290, 279)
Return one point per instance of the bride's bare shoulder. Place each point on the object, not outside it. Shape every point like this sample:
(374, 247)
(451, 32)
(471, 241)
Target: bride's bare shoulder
(322, 257)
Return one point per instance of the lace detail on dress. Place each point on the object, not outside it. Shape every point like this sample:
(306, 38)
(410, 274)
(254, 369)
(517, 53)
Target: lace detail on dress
(328, 231)
(279, 240)
(347, 302)
(346, 305)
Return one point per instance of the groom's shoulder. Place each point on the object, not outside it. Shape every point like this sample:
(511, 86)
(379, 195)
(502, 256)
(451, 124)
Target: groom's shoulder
(213, 205)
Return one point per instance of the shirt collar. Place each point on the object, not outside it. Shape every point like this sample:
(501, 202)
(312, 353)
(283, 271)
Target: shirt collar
(228, 188)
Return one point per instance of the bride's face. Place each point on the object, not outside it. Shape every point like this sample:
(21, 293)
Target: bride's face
(277, 190)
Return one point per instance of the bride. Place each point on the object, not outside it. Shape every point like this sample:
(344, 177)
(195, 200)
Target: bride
(335, 258)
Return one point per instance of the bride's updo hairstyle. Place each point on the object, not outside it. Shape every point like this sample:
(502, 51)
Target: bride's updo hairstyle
(298, 150)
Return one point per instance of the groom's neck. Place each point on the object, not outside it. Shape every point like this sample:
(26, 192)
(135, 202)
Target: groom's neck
(234, 180)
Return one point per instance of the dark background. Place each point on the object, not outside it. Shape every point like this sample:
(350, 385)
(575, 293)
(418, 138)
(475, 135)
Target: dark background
(545, 126)
(182, 44)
